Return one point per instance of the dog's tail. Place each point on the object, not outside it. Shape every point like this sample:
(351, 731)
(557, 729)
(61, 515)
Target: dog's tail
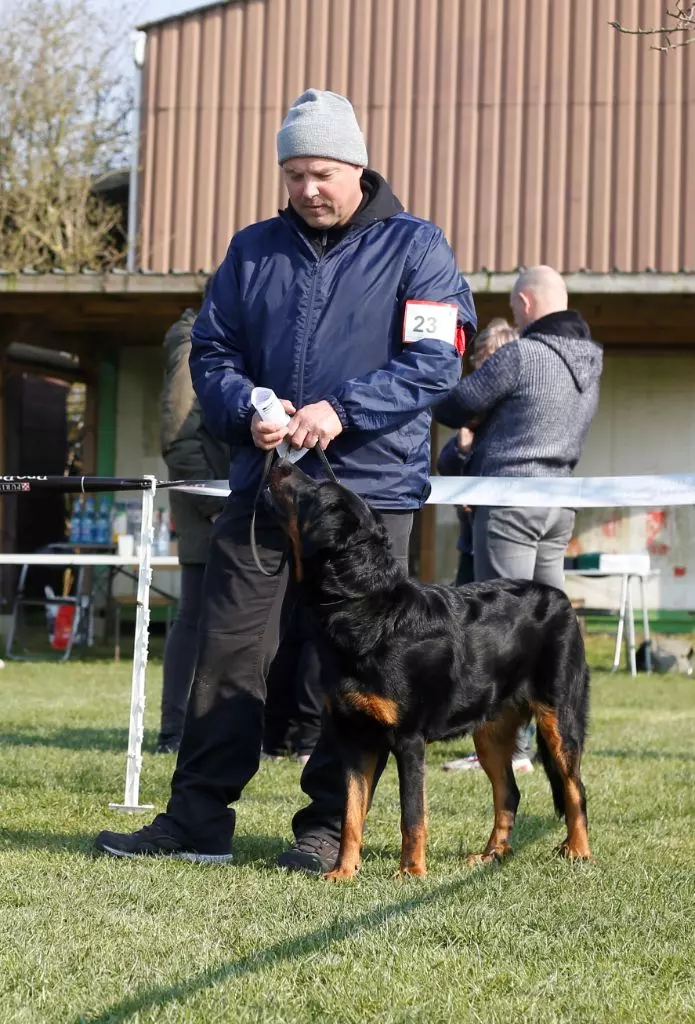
(572, 713)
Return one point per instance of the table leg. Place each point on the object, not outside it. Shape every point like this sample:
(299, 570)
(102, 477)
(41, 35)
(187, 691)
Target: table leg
(621, 624)
(631, 630)
(645, 627)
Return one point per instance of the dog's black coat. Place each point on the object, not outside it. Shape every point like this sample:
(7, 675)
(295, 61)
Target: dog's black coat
(417, 661)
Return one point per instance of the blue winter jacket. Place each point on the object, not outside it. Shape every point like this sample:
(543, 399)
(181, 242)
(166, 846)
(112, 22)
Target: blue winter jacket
(316, 323)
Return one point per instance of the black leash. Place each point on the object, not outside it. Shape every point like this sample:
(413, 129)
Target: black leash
(267, 466)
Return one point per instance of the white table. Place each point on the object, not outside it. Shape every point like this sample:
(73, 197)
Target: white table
(626, 612)
(70, 560)
(67, 559)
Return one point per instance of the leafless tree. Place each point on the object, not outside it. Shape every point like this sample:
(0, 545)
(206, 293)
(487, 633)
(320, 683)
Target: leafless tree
(679, 29)
(64, 104)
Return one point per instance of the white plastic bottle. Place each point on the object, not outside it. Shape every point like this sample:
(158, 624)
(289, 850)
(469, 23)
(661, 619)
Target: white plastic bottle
(267, 405)
(161, 545)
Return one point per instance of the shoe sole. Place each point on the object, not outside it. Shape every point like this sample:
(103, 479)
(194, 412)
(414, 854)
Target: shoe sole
(192, 858)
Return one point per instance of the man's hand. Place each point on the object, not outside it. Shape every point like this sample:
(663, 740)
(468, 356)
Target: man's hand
(464, 440)
(269, 435)
(314, 424)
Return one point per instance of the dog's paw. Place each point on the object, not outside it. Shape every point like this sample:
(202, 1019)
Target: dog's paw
(573, 852)
(477, 860)
(412, 870)
(340, 874)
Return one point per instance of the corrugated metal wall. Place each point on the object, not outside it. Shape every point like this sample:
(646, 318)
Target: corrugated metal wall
(528, 129)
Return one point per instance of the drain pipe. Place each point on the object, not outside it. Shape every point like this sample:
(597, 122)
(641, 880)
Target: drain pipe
(139, 40)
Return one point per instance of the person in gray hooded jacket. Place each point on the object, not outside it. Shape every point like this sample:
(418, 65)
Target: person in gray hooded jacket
(191, 453)
(538, 396)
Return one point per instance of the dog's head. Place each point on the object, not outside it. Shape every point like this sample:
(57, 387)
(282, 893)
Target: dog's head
(333, 532)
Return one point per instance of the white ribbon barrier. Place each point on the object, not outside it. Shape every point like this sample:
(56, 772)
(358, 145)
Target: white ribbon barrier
(523, 492)
(539, 491)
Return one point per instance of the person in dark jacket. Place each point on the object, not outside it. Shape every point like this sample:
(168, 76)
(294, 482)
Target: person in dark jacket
(352, 311)
(538, 395)
(454, 457)
(190, 453)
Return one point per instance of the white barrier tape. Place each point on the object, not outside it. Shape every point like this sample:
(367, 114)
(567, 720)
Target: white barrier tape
(539, 491)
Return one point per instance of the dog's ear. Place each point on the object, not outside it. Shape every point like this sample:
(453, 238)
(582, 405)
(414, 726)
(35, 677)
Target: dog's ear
(360, 508)
(328, 516)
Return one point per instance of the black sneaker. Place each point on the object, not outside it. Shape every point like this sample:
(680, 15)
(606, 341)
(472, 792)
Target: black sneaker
(315, 855)
(156, 840)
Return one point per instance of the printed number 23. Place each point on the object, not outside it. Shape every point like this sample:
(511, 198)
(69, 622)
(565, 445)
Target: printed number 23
(422, 324)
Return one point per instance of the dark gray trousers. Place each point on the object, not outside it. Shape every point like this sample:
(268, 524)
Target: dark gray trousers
(181, 653)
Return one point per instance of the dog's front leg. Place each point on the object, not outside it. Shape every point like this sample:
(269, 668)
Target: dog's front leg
(360, 778)
(410, 757)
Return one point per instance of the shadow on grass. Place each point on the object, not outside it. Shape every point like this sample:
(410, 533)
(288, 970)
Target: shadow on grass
(532, 828)
(528, 830)
(288, 950)
(643, 755)
(50, 842)
(248, 849)
(69, 738)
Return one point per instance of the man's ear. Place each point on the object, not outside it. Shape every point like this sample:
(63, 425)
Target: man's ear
(525, 302)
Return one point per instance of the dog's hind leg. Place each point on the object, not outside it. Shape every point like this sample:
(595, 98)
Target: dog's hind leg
(360, 776)
(410, 758)
(494, 744)
(561, 759)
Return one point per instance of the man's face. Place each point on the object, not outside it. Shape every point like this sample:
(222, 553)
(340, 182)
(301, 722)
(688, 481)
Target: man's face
(325, 193)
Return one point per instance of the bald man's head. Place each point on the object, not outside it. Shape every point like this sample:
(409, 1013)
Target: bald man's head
(537, 291)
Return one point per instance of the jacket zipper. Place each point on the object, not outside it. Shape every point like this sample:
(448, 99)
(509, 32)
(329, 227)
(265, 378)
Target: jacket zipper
(305, 339)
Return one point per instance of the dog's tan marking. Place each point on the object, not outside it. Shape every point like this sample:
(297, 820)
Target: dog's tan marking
(380, 708)
(576, 845)
(295, 541)
(359, 788)
(494, 745)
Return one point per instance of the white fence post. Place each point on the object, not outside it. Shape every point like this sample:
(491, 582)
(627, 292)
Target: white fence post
(137, 692)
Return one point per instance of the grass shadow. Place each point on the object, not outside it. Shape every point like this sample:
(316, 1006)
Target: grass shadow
(255, 849)
(51, 842)
(643, 755)
(290, 949)
(260, 850)
(529, 829)
(69, 738)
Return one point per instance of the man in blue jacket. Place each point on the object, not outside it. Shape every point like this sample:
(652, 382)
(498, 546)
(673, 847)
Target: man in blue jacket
(352, 311)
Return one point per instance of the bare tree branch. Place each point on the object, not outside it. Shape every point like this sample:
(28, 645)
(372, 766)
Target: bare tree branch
(682, 23)
(63, 125)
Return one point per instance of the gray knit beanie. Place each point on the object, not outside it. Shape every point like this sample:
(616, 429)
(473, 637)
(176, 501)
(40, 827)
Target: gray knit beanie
(322, 124)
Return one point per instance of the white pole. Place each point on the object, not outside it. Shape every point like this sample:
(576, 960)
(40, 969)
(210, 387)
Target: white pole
(137, 692)
(139, 44)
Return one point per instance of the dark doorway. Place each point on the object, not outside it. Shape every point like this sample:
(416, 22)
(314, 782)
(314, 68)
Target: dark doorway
(36, 444)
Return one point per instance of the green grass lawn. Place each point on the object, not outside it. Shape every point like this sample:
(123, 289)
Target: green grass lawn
(84, 938)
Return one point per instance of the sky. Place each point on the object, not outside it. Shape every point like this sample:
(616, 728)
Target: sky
(152, 10)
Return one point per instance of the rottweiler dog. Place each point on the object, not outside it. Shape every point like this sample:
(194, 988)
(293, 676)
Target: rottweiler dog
(411, 661)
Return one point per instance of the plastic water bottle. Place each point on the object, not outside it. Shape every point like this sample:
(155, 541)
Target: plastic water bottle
(102, 531)
(75, 534)
(268, 406)
(88, 522)
(161, 545)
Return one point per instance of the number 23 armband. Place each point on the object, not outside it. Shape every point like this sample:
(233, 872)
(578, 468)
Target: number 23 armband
(437, 321)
